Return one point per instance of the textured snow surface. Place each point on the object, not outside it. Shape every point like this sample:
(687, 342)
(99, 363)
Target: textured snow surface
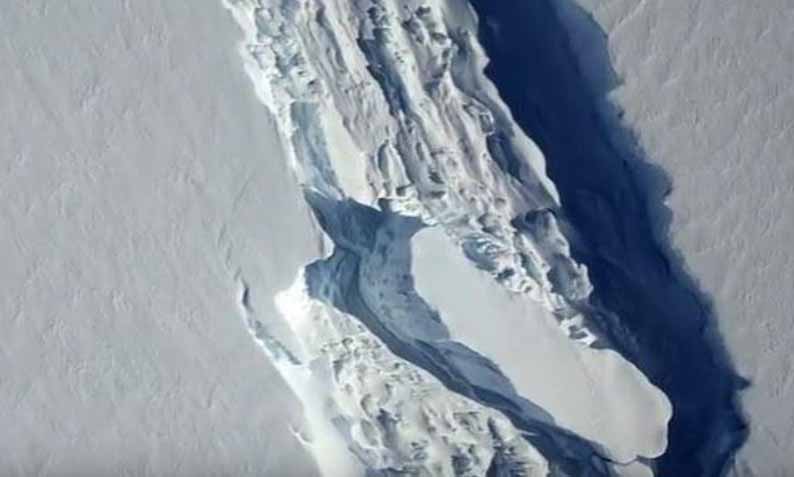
(138, 179)
(708, 86)
(391, 128)
(390, 413)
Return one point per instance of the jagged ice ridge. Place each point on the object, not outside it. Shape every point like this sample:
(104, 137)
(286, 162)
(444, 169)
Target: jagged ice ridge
(395, 133)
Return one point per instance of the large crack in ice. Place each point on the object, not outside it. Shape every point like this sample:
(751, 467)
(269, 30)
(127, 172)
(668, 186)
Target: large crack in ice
(399, 80)
(613, 196)
(390, 126)
(368, 277)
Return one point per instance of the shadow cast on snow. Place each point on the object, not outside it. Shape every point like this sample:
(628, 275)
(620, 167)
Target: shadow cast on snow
(343, 280)
(555, 76)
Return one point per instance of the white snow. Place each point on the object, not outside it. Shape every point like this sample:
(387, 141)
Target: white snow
(139, 184)
(708, 86)
(594, 393)
(393, 415)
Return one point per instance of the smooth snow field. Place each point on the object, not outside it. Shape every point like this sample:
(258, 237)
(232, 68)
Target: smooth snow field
(370, 238)
(141, 184)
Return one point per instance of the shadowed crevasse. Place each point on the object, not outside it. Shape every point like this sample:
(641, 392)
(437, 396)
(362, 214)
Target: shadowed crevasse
(338, 281)
(613, 201)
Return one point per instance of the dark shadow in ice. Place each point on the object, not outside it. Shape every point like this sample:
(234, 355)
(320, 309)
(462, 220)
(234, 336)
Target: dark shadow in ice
(368, 276)
(613, 202)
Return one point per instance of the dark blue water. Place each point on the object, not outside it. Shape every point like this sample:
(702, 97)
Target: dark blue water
(610, 196)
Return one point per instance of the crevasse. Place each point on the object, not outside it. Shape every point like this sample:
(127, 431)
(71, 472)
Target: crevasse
(392, 128)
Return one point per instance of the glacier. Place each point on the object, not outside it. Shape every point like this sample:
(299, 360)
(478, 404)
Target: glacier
(445, 329)
(396, 237)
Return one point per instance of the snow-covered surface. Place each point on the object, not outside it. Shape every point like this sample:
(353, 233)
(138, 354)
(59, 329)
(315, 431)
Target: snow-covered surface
(594, 393)
(372, 410)
(708, 86)
(352, 262)
(141, 183)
